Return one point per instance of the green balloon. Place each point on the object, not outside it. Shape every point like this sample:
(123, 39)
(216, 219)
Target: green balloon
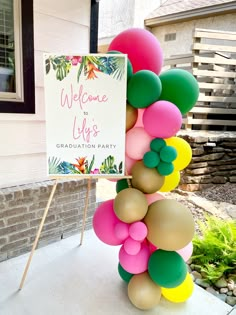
(179, 87)
(168, 154)
(125, 275)
(129, 65)
(167, 268)
(151, 159)
(121, 184)
(144, 88)
(165, 168)
(157, 144)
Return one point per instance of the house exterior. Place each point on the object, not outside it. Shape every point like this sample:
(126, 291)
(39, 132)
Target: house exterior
(37, 27)
(174, 21)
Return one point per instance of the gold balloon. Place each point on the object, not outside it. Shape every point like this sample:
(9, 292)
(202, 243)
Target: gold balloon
(180, 293)
(148, 180)
(170, 224)
(143, 292)
(130, 205)
(131, 116)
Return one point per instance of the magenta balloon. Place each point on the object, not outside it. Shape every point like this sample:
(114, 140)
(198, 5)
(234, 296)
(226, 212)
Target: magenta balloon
(135, 263)
(138, 231)
(137, 143)
(143, 49)
(153, 197)
(162, 119)
(132, 247)
(186, 252)
(122, 230)
(104, 223)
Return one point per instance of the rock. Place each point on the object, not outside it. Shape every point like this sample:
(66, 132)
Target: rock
(202, 283)
(222, 297)
(196, 275)
(211, 290)
(208, 157)
(219, 180)
(224, 290)
(229, 293)
(231, 300)
(197, 268)
(221, 283)
(234, 292)
(231, 284)
(189, 269)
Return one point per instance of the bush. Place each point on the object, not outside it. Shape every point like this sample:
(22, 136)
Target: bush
(214, 251)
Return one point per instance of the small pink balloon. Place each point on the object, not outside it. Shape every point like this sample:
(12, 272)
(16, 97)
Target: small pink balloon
(162, 119)
(138, 231)
(135, 263)
(131, 246)
(129, 164)
(104, 222)
(153, 197)
(143, 49)
(137, 143)
(186, 252)
(122, 230)
(139, 122)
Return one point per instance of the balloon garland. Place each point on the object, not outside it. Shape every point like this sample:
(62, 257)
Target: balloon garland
(154, 233)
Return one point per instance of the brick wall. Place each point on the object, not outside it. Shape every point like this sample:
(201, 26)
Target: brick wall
(22, 207)
(213, 161)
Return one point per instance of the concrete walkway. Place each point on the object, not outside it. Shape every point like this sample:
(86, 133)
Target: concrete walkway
(65, 279)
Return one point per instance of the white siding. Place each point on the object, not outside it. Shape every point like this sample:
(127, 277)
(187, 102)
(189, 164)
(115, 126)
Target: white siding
(59, 26)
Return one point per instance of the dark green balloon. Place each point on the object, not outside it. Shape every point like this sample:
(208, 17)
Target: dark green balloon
(157, 144)
(179, 87)
(165, 168)
(167, 268)
(168, 154)
(144, 88)
(151, 159)
(125, 275)
(121, 184)
(129, 65)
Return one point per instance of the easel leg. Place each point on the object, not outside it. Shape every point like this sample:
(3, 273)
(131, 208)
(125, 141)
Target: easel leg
(85, 211)
(38, 234)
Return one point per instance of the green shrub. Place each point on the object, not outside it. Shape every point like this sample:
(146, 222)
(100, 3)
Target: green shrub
(214, 251)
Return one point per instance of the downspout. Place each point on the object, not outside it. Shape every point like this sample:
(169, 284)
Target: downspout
(94, 14)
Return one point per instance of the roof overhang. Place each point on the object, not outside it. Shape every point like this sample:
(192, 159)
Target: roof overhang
(218, 9)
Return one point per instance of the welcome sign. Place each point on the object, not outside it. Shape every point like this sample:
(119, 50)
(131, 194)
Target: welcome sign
(85, 99)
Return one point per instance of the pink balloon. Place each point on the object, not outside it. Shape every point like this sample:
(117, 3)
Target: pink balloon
(162, 119)
(138, 231)
(129, 164)
(137, 143)
(139, 122)
(186, 252)
(135, 263)
(104, 222)
(131, 246)
(143, 49)
(122, 230)
(153, 197)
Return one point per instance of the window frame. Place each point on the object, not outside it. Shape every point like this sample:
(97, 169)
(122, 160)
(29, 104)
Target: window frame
(27, 105)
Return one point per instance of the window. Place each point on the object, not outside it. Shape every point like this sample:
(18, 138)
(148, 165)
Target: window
(17, 91)
(169, 37)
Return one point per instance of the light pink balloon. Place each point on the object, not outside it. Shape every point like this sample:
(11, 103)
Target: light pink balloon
(139, 122)
(138, 231)
(143, 49)
(162, 119)
(186, 252)
(153, 197)
(104, 222)
(137, 143)
(129, 164)
(131, 246)
(122, 230)
(135, 263)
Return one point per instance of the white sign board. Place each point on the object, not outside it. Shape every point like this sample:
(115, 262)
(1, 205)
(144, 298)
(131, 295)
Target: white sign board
(85, 99)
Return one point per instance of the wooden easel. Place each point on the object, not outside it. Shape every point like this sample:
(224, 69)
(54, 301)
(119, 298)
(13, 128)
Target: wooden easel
(42, 224)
